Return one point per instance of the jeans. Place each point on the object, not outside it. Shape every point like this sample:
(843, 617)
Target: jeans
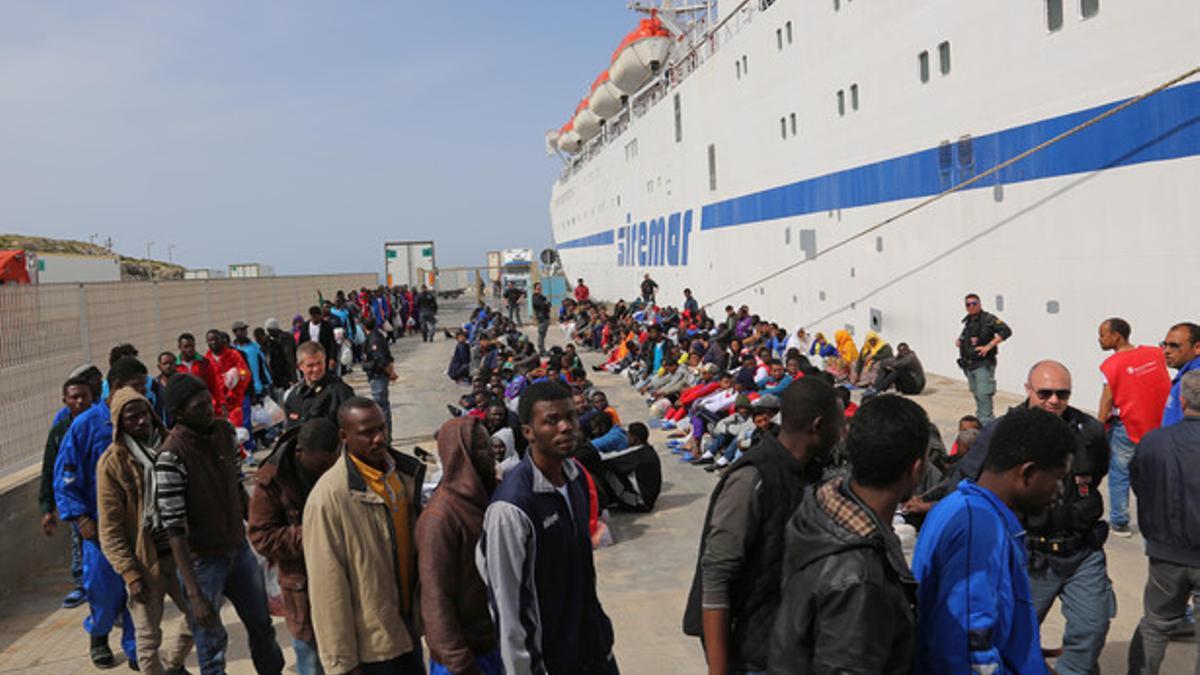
(76, 556)
(1081, 581)
(1168, 589)
(904, 381)
(542, 326)
(514, 313)
(488, 664)
(237, 576)
(106, 597)
(1118, 475)
(982, 381)
(428, 323)
(308, 661)
(379, 392)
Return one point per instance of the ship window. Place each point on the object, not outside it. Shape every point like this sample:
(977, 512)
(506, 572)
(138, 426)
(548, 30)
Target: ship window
(631, 150)
(876, 319)
(737, 67)
(712, 167)
(999, 303)
(1054, 15)
(821, 295)
(808, 244)
(792, 122)
(854, 97)
(787, 236)
(745, 65)
(1089, 8)
(945, 158)
(841, 99)
(779, 38)
(966, 154)
(1052, 307)
(923, 65)
(879, 244)
(837, 5)
(783, 127)
(787, 28)
(678, 120)
(944, 58)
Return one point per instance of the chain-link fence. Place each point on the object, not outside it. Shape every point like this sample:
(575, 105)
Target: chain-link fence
(47, 330)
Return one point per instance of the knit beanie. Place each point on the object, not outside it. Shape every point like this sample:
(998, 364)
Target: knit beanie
(181, 388)
(742, 401)
(745, 377)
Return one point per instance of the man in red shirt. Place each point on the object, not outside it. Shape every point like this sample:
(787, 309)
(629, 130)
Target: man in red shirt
(194, 363)
(232, 376)
(582, 293)
(1135, 391)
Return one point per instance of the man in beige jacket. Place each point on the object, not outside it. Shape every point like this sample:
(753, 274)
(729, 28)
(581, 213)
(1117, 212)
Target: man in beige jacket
(131, 534)
(358, 548)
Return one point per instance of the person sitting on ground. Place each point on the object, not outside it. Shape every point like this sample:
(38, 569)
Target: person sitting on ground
(839, 365)
(722, 446)
(460, 363)
(776, 380)
(633, 476)
(874, 351)
(605, 436)
(965, 423)
(904, 370)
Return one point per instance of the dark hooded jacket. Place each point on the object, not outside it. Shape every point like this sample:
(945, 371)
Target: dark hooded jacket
(454, 605)
(849, 598)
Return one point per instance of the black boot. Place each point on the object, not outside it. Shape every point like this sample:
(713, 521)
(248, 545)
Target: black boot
(102, 656)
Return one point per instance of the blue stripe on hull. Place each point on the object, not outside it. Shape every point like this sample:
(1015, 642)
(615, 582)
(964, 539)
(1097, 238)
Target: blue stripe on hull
(1164, 126)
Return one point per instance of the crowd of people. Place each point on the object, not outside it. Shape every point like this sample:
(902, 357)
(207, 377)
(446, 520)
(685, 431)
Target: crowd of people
(482, 553)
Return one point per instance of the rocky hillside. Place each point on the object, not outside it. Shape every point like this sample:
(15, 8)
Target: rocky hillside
(132, 269)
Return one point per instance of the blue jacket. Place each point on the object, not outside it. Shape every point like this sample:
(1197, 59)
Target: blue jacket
(75, 469)
(769, 386)
(256, 361)
(1173, 413)
(613, 440)
(974, 608)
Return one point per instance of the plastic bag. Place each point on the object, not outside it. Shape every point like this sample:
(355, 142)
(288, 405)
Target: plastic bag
(360, 338)
(386, 326)
(266, 414)
(346, 355)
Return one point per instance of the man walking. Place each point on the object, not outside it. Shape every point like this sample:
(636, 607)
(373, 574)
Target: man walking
(380, 368)
(1136, 385)
(512, 298)
(193, 363)
(320, 331)
(203, 505)
(454, 607)
(88, 437)
(321, 392)
(77, 397)
(649, 289)
(281, 488)
(735, 590)
(541, 314)
(690, 304)
(536, 551)
(1182, 351)
(1168, 493)
(974, 613)
(131, 532)
(977, 346)
(232, 376)
(427, 308)
(849, 598)
(256, 360)
(358, 546)
(281, 355)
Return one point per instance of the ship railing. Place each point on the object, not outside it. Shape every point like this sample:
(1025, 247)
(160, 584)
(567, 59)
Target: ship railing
(704, 47)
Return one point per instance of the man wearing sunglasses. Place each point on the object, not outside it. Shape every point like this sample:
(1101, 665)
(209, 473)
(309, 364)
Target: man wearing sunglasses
(1182, 351)
(1065, 540)
(981, 334)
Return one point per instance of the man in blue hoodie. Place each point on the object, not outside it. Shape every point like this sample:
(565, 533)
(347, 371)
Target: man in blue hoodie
(974, 603)
(75, 494)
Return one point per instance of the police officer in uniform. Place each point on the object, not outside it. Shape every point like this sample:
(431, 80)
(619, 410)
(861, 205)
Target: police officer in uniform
(981, 334)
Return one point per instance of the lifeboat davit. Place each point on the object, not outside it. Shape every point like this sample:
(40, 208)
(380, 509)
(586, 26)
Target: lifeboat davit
(568, 140)
(585, 122)
(642, 54)
(605, 99)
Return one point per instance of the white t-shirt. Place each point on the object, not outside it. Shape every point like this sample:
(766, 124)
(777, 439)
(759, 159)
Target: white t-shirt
(314, 331)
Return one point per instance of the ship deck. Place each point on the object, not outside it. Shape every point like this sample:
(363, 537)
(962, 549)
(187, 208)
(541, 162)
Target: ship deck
(643, 578)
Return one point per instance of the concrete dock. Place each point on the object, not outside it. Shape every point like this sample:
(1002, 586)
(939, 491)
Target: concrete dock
(643, 578)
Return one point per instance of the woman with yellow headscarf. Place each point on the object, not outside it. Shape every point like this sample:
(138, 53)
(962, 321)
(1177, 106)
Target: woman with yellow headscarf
(874, 350)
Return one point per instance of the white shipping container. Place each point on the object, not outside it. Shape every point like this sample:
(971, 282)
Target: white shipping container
(251, 270)
(57, 268)
(404, 262)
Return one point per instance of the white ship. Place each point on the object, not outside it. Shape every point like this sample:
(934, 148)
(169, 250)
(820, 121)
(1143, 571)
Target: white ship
(790, 155)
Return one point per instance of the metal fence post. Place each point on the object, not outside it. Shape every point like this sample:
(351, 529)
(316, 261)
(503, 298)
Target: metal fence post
(83, 324)
(158, 327)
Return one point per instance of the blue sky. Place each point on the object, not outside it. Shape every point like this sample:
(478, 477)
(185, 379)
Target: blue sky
(299, 134)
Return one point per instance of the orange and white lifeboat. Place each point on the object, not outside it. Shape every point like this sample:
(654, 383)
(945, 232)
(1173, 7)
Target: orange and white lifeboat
(642, 54)
(568, 140)
(586, 123)
(605, 99)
